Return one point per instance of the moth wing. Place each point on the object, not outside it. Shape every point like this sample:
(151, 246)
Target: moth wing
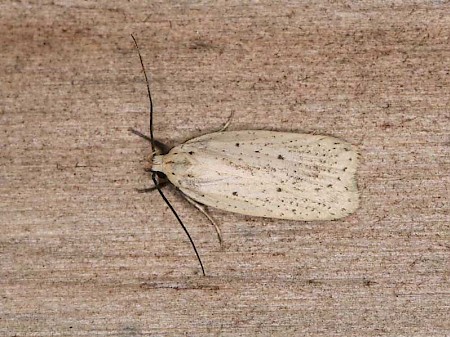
(271, 174)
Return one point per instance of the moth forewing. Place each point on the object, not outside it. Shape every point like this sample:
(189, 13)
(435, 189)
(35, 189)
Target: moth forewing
(266, 173)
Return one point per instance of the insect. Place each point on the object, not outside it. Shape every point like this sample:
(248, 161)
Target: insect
(261, 173)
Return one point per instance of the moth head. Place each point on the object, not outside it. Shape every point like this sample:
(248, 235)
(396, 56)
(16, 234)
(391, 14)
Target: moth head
(156, 157)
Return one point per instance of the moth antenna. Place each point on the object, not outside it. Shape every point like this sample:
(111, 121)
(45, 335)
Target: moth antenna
(152, 141)
(179, 220)
(149, 94)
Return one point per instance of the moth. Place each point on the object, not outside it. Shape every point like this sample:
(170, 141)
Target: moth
(270, 174)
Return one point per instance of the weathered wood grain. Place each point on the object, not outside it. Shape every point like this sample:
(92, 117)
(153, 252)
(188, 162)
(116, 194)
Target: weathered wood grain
(83, 254)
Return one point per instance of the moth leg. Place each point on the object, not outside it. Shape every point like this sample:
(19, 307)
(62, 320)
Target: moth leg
(150, 189)
(203, 210)
(140, 134)
(163, 147)
(227, 124)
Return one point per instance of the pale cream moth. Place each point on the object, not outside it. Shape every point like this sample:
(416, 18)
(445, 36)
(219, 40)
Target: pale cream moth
(268, 174)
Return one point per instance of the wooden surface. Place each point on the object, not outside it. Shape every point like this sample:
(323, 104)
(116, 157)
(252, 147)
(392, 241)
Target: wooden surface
(83, 254)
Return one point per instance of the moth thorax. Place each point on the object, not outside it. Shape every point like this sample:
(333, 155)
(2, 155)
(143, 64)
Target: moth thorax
(157, 163)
